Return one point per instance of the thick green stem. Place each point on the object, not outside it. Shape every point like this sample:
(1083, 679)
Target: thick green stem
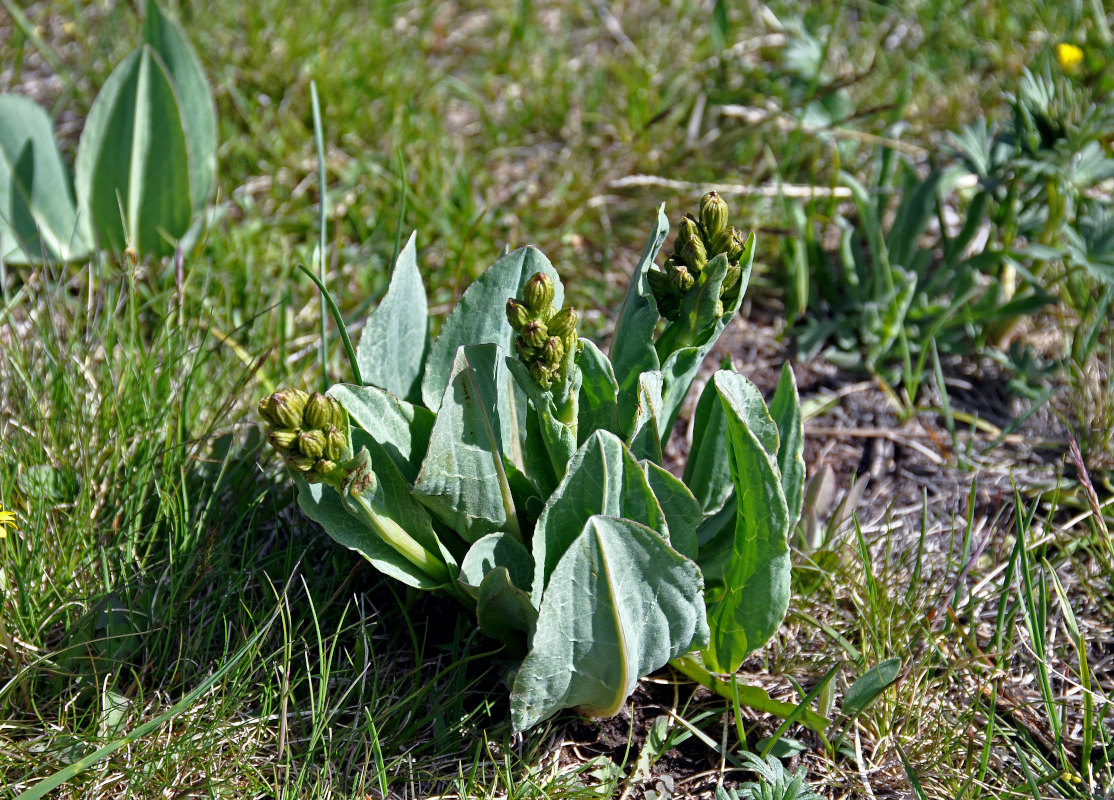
(689, 665)
(392, 534)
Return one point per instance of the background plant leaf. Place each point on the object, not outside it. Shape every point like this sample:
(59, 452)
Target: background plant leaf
(682, 512)
(598, 402)
(785, 408)
(708, 468)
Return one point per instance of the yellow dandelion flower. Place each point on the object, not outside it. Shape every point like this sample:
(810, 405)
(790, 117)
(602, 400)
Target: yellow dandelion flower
(7, 518)
(1069, 56)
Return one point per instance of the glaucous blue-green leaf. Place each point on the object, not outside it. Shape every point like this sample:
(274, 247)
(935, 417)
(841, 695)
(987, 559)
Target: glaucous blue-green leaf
(503, 610)
(401, 428)
(708, 469)
(620, 604)
(686, 343)
(598, 407)
(646, 435)
(497, 550)
(463, 480)
(37, 213)
(682, 512)
(199, 112)
(756, 590)
(715, 537)
(785, 408)
(605, 478)
(536, 454)
(557, 439)
(390, 495)
(480, 317)
(133, 160)
(395, 339)
(632, 345)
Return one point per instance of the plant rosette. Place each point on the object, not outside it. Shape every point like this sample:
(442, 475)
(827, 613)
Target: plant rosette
(512, 464)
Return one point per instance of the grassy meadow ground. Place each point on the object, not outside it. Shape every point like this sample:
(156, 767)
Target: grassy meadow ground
(160, 590)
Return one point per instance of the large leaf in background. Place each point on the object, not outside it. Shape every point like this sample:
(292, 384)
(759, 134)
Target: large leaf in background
(699, 329)
(603, 478)
(682, 512)
(646, 437)
(393, 346)
(402, 429)
(756, 594)
(463, 479)
(481, 316)
(621, 603)
(133, 158)
(708, 469)
(785, 408)
(597, 407)
(632, 345)
(391, 495)
(37, 212)
(199, 112)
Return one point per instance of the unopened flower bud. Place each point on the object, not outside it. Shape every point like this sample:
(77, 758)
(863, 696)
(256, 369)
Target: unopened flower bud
(731, 278)
(563, 322)
(535, 333)
(321, 412)
(538, 293)
(680, 279)
(694, 254)
(336, 445)
(312, 443)
(718, 311)
(688, 229)
(735, 245)
(542, 374)
(554, 352)
(713, 213)
(659, 283)
(284, 408)
(517, 314)
(283, 438)
(301, 463)
(525, 351)
(324, 467)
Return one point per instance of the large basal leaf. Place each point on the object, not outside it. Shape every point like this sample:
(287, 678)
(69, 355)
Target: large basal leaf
(605, 478)
(133, 159)
(632, 345)
(395, 340)
(463, 479)
(37, 213)
(502, 609)
(497, 550)
(402, 429)
(481, 315)
(620, 604)
(199, 112)
(785, 408)
(756, 591)
(646, 435)
(598, 406)
(682, 512)
(708, 469)
(391, 494)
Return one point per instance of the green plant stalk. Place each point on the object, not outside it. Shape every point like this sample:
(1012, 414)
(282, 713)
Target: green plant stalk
(319, 139)
(393, 535)
(327, 298)
(754, 697)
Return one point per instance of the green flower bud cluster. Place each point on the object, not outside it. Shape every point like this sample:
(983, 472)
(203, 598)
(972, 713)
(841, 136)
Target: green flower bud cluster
(545, 334)
(698, 242)
(309, 431)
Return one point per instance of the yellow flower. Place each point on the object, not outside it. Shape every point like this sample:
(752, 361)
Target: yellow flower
(1069, 56)
(6, 518)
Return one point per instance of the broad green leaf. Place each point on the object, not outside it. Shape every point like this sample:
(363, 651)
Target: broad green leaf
(463, 480)
(708, 469)
(632, 345)
(395, 339)
(535, 452)
(503, 610)
(873, 682)
(645, 438)
(557, 439)
(605, 478)
(199, 112)
(391, 495)
(37, 212)
(756, 592)
(715, 537)
(497, 550)
(620, 604)
(133, 158)
(402, 429)
(682, 512)
(785, 408)
(598, 407)
(481, 315)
